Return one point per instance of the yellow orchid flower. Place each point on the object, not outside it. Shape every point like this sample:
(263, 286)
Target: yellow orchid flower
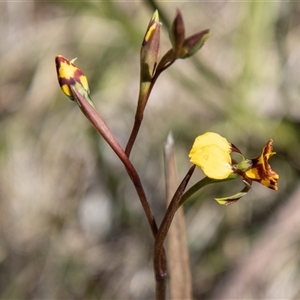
(211, 152)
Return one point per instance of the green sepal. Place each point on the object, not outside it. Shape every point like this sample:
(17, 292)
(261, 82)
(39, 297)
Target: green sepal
(84, 93)
(234, 198)
(193, 43)
(244, 165)
(202, 183)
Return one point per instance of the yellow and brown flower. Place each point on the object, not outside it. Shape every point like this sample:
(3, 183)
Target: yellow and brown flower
(211, 152)
(261, 171)
(69, 75)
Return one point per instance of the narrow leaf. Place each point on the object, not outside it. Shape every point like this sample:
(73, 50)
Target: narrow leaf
(179, 267)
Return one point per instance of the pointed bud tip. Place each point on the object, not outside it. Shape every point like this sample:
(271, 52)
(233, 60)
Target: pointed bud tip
(194, 42)
(154, 25)
(177, 33)
(69, 75)
(155, 16)
(150, 49)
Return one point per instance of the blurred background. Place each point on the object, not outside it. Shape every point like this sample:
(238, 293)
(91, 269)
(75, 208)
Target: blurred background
(71, 225)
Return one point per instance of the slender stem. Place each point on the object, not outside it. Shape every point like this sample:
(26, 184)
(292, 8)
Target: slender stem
(135, 130)
(199, 185)
(94, 117)
(142, 102)
(177, 200)
(161, 286)
(139, 115)
(164, 227)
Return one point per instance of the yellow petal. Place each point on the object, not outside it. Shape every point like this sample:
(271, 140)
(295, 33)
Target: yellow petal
(66, 69)
(210, 138)
(151, 27)
(214, 161)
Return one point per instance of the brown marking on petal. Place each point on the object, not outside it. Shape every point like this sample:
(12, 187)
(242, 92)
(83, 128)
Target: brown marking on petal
(77, 75)
(262, 170)
(58, 60)
(67, 81)
(231, 201)
(65, 86)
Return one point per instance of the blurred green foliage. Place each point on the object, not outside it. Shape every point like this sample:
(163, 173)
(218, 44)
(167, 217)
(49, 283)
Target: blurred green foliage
(71, 224)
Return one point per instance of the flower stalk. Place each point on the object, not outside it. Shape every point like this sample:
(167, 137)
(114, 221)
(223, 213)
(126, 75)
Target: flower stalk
(96, 120)
(150, 50)
(160, 274)
(151, 68)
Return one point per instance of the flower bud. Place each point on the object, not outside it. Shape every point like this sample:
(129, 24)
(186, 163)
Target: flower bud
(150, 48)
(176, 33)
(193, 43)
(69, 75)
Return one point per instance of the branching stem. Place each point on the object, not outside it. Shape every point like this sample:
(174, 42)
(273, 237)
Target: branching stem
(94, 117)
(160, 270)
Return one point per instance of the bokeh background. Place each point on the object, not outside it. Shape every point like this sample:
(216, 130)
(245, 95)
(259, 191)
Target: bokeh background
(71, 225)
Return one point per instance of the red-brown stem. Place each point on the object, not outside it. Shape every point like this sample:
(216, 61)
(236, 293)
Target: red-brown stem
(134, 132)
(164, 227)
(140, 110)
(104, 131)
(161, 286)
(94, 117)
